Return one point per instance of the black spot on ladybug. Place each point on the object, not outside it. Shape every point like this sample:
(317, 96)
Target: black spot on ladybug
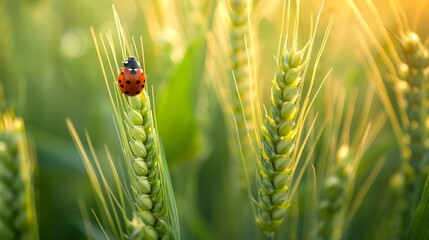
(138, 82)
(133, 71)
(120, 81)
(122, 86)
(142, 73)
(137, 92)
(128, 82)
(122, 73)
(144, 80)
(126, 92)
(142, 87)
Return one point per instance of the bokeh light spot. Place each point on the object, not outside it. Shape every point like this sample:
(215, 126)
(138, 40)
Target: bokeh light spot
(73, 43)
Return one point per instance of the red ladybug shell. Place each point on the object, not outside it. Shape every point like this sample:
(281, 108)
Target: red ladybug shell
(131, 81)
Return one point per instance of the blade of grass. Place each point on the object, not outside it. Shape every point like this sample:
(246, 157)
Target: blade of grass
(419, 229)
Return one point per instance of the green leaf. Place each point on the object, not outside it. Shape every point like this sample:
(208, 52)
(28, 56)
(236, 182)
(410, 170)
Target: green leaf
(420, 226)
(177, 105)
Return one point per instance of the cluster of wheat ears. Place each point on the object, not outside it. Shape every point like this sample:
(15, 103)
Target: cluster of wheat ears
(269, 142)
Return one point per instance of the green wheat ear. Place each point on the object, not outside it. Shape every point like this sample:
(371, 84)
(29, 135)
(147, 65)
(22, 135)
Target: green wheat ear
(152, 213)
(17, 209)
(282, 138)
(414, 73)
(344, 148)
(151, 218)
(403, 92)
(415, 151)
(336, 186)
(241, 99)
(278, 141)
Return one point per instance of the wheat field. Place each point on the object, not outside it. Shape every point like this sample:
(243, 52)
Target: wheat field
(258, 120)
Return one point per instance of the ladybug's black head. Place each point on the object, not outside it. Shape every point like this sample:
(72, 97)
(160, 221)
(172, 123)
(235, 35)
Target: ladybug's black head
(131, 62)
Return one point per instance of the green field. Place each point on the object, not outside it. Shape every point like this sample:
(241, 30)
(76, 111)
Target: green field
(277, 120)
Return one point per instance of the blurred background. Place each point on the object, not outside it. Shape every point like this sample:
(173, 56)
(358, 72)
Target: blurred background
(50, 71)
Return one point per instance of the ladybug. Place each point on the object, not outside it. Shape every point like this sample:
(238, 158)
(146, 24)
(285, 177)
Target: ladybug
(131, 79)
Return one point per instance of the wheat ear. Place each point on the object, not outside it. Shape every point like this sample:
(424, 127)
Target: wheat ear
(278, 141)
(407, 108)
(240, 100)
(17, 209)
(330, 222)
(282, 138)
(151, 206)
(414, 73)
(154, 210)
